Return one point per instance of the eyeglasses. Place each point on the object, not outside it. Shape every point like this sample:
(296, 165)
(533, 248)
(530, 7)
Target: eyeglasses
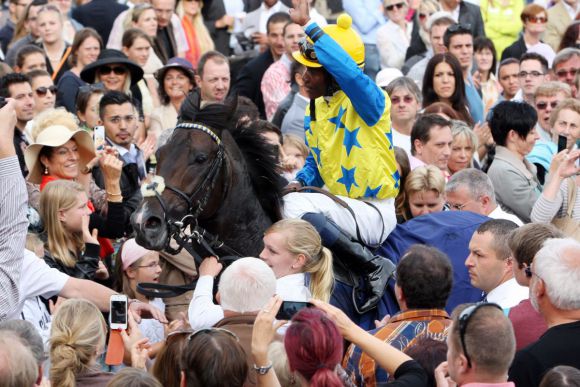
(209, 331)
(392, 6)
(152, 265)
(43, 90)
(533, 74)
(459, 27)
(544, 105)
(307, 50)
(118, 70)
(458, 207)
(529, 273)
(406, 99)
(117, 119)
(538, 19)
(563, 73)
(463, 321)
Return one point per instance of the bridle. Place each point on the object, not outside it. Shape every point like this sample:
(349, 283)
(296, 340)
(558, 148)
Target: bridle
(177, 229)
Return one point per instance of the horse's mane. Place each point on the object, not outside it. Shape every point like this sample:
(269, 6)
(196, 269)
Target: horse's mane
(261, 161)
(260, 157)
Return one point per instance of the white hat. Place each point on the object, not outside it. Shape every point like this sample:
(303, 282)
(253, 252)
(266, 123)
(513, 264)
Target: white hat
(55, 136)
(386, 76)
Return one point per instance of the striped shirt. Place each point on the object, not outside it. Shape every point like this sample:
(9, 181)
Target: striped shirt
(545, 210)
(13, 226)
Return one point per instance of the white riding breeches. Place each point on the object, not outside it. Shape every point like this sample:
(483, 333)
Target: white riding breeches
(375, 222)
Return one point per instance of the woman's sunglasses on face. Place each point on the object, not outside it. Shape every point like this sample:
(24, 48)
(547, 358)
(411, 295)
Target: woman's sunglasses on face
(43, 90)
(118, 70)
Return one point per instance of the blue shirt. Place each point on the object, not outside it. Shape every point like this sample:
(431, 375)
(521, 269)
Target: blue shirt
(474, 101)
(366, 18)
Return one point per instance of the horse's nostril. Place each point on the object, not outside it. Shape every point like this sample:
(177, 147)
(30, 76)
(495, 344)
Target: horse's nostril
(153, 222)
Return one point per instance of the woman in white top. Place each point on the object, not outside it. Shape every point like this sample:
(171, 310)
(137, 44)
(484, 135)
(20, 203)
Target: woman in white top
(294, 251)
(394, 37)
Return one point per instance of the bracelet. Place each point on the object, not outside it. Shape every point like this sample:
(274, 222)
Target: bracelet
(263, 370)
(114, 194)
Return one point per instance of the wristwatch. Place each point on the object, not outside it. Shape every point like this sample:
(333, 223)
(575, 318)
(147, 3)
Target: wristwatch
(262, 370)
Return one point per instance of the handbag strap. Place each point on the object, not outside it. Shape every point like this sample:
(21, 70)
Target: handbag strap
(572, 190)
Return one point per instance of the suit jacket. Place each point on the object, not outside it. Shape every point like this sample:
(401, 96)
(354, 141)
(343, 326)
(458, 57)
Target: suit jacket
(558, 21)
(100, 15)
(250, 79)
(471, 14)
(516, 50)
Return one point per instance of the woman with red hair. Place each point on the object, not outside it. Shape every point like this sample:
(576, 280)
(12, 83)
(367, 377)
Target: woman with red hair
(314, 342)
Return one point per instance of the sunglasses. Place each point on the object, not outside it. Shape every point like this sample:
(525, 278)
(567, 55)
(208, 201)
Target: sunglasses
(392, 6)
(536, 19)
(463, 321)
(424, 16)
(406, 99)
(563, 73)
(118, 70)
(544, 105)
(307, 50)
(459, 27)
(43, 90)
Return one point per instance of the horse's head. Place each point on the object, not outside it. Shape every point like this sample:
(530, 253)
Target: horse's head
(191, 164)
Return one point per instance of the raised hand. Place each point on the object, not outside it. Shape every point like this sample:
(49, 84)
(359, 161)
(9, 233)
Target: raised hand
(300, 13)
(88, 236)
(210, 266)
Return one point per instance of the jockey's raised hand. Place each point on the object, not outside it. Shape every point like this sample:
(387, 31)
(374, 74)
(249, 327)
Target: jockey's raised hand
(300, 14)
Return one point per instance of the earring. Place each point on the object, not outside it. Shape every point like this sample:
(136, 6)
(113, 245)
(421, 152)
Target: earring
(46, 170)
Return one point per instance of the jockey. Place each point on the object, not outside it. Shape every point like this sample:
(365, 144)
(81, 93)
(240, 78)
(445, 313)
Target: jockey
(348, 131)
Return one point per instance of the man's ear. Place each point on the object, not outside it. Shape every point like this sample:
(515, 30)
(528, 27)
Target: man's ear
(418, 147)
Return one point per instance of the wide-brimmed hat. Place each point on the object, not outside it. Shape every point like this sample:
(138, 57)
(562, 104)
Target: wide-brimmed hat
(55, 136)
(176, 63)
(108, 57)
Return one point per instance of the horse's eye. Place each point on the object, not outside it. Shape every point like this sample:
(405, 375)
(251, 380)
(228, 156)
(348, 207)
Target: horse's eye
(200, 159)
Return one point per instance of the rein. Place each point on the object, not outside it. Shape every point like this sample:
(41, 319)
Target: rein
(178, 229)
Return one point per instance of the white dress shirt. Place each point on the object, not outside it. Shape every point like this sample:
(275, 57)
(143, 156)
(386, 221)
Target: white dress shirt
(508, 294)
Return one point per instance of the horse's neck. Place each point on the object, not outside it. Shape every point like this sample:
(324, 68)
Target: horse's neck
(240, 221)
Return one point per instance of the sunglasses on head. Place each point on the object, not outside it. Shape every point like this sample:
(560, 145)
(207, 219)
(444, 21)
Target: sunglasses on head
(392, 6)
(43, 90)
(307, 50)
(118, 70)
(463, 321)
(459, 27)
(544, 105)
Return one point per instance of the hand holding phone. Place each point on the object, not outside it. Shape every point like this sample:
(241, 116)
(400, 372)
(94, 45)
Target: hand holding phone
(118, 311)
(562, 143)
(99, 137)
(289, 308)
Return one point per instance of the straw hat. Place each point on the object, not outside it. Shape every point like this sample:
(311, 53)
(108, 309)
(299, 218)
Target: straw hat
(55, 136)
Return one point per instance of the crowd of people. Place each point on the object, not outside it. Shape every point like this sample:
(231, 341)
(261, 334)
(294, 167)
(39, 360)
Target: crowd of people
(458, 120)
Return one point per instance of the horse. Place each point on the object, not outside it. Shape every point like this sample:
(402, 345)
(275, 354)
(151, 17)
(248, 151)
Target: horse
(217, 181)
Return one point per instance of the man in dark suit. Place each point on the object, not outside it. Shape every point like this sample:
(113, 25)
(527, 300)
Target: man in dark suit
(100, 15)
(468, 14)
(248, 82)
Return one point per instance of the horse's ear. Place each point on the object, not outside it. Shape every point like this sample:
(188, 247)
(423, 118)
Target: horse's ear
(190, 107)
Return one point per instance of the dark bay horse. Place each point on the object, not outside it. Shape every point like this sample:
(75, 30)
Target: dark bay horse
(225, 180)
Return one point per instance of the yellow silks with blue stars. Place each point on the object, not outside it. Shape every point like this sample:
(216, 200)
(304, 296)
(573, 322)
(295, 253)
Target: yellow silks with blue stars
(353, 159)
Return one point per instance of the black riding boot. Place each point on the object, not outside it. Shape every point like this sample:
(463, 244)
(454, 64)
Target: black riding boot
(356, 258)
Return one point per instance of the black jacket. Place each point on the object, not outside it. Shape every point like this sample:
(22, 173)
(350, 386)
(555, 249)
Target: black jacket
(85, 267)
(130, 189)
(516, 50)
(250, 79)
(471, 14)
(99, 14)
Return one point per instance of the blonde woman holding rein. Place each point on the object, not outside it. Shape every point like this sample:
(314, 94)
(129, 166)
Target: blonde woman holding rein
(294, 251)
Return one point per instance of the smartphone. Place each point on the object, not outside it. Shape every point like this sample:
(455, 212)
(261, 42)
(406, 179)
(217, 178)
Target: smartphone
(562, 143)
(290, 308)
(118, 311)
(99, 137)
